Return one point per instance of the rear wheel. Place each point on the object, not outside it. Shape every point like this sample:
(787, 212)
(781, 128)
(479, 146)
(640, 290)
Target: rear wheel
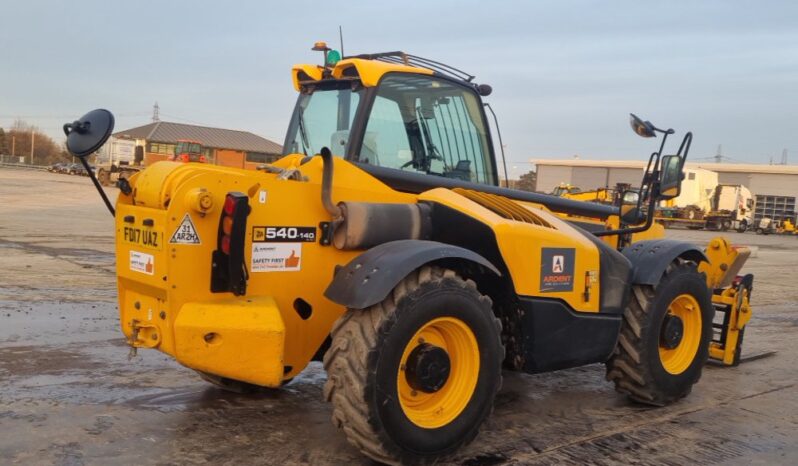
(742, 227)
(665, 336)
(411, 379)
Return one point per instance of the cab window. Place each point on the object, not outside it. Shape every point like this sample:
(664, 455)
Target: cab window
(427, 125)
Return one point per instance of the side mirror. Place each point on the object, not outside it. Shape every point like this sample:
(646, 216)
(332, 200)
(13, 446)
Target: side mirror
(86, 135)
(630, 208)
(670, 184)
(642, 128)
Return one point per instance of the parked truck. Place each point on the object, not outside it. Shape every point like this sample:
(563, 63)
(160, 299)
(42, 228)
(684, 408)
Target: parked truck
(732, 207)
(694, 201)
(118, 158)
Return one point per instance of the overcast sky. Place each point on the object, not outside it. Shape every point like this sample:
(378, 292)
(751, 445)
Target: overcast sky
(565, 74)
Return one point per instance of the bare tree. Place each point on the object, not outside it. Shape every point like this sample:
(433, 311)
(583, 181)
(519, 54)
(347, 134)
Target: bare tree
(3, 144)
(528, 181)
(45, 150)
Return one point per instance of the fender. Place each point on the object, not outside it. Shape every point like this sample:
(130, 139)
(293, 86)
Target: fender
(368, 278)
(650, 258)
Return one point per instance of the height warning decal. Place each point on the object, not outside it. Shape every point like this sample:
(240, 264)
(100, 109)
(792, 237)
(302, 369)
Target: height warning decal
(186, 233)
(556, 269)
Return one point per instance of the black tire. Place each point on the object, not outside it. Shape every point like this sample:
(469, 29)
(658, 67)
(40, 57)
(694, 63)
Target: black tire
(725, 225)
(635, 366)
(742, 227)
(236, 386)
(104, 177)
(363, 365)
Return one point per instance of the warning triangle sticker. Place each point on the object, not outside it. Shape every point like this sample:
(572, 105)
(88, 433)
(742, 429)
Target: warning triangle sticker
(185, 233)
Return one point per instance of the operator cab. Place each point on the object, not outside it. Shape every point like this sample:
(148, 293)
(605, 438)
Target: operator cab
(189, 151)
(417, 123)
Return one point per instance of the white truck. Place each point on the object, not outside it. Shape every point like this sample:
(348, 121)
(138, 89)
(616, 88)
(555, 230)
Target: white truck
(732, 207)
(694, 200)
(117, 159)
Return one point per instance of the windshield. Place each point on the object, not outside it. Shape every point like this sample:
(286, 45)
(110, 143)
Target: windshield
(428, 125)
(322, 118)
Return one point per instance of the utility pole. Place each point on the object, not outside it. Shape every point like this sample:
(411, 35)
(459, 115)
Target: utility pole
(156, 110)
(13, 145)
(784, 157)
(32, 137)
(719, 155)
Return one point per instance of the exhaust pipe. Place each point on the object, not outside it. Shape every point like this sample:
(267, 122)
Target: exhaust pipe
(362, 225)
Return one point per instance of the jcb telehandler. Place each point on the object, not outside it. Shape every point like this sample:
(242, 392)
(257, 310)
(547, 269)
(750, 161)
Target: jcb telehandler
(381, 244)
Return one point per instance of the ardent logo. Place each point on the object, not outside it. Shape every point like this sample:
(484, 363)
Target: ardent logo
(557, 264)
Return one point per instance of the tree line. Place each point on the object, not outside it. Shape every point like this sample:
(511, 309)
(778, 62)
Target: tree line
(17, 141)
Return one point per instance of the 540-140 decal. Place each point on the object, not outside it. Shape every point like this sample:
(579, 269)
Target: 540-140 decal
(284, 234)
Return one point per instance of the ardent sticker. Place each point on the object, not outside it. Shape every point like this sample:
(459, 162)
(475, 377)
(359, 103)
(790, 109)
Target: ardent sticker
(557, 269)
(141, 262)
(276, 257)
(186, 233)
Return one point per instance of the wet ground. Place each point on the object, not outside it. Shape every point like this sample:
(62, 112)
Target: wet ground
(69, 395)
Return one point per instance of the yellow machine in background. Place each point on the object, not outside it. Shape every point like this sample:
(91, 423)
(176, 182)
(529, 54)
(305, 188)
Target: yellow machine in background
(602, 195)
(382, 245)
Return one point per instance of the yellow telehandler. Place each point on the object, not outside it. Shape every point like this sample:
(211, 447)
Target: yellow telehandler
(382, 245)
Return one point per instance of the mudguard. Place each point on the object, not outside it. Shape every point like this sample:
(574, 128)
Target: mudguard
(368, 278)
(650, 258)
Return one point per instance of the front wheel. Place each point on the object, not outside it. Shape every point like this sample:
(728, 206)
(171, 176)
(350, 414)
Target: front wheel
(665, 336)
(412, 378)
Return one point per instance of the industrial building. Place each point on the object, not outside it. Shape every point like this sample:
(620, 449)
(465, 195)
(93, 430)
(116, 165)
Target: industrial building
(226, 147)
(775, 186)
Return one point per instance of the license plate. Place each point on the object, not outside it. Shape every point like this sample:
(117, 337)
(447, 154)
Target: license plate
(143, 237)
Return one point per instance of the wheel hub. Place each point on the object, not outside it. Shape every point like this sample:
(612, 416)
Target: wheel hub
(428, 368)
(672, 332)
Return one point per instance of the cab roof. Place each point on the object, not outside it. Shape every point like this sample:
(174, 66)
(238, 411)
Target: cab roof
(370, 68)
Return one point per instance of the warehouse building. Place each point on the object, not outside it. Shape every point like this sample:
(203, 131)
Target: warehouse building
(775, 186)
(226, 147)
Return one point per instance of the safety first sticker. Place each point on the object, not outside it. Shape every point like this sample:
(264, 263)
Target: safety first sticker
(185, 233)
(141, 262)
(276, 257)
(557, 269)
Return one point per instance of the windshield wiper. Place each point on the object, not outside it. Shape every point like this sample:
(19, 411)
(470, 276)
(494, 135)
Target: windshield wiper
(302, 132)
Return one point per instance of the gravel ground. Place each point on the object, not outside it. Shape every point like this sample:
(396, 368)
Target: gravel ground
(69, 395)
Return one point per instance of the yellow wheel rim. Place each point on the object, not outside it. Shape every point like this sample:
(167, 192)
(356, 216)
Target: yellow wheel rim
(676, 360)
(433, 410)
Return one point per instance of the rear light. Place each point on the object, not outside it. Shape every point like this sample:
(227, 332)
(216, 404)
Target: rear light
(229, 271)
(227, 225)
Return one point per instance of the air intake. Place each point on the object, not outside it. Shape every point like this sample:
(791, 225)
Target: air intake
(504, 207)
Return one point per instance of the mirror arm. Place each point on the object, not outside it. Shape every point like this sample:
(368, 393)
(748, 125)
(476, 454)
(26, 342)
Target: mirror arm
(97, 185)
(685, 146)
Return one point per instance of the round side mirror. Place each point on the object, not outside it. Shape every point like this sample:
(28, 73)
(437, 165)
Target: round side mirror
(86, 135)
(642, 128)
